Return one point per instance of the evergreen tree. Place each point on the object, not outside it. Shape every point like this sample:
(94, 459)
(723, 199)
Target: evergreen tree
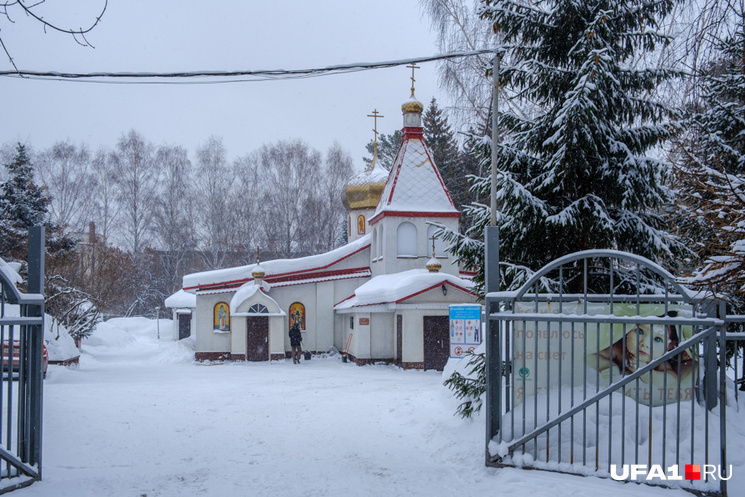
(441, 143)
(575, 170)
(387, 149)
(22, 204)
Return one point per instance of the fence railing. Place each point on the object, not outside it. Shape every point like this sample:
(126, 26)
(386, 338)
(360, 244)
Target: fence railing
(618, 378)
(21, 343)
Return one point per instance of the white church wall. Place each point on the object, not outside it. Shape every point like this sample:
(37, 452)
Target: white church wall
(353, 232)
(209, 344)
(239, 336)
(389, 261)
(361, 334)
(383, 336)
(324, 315)
(277, 347)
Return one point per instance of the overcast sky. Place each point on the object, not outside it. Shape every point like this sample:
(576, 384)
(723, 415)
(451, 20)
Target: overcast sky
(185, 35)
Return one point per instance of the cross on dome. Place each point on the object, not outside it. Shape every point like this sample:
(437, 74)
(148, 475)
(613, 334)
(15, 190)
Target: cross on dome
(375, 115)
(412, 67)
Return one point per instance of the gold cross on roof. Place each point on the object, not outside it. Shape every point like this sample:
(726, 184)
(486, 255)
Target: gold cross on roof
(375, 115)
(412, 67)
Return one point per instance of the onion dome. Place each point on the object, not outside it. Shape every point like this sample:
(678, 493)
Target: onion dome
(258, 271)
(412, 105)
(412, 110)
(364, 189)
(433, 265)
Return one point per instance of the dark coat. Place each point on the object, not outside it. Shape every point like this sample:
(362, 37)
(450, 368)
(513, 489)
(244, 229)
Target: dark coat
(295, 337)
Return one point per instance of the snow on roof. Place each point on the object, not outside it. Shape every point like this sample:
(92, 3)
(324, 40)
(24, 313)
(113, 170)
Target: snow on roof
(182, 299)
(241, 274)
(415, 184)
(244, 293)
(374, 174)
(398, 286)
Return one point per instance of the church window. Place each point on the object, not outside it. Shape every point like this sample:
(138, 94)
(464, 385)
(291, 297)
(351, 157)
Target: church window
(439, 243)
(360, 224)
(380, 243)
(406, 240)
(258, 309)
(221, 317)
(374, 246)
(297, 315)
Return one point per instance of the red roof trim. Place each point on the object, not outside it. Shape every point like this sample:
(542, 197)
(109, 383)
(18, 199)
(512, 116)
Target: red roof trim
(446, 282)
(218, 286)
(323, 274)
(383, 214)
(437, 173)
(274, 277)
(399, 164)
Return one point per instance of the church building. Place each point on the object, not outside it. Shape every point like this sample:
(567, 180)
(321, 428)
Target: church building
(384, 296)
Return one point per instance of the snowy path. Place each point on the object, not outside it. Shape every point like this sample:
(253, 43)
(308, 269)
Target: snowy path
(140, 420)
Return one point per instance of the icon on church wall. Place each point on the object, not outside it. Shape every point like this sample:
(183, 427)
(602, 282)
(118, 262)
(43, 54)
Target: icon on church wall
(360, 225)
(221, 317)
(297, 315)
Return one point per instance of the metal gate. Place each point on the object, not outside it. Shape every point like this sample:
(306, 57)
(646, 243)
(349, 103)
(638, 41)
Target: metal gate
(21, 341)
(603, 364)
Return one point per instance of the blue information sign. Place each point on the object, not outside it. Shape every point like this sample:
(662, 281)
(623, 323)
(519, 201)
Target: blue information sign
(465, 329)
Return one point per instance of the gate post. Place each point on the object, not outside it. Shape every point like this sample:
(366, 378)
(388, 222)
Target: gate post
(492, 339)
(36, 285)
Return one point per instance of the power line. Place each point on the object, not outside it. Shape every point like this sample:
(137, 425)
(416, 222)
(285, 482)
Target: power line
(223, 77)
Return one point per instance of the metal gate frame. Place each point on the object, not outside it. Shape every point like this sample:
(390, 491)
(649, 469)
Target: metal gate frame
(506, 311)
(22, 383)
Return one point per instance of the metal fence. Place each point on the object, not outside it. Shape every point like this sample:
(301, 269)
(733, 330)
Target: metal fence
(21, 342)
(603, 364)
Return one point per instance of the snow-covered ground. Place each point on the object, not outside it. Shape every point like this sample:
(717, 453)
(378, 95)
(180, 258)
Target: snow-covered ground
(139, 417)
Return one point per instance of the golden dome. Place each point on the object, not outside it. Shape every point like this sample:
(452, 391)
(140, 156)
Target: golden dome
(258, 272)
(433, 265)
(412, 105)
(364, 189)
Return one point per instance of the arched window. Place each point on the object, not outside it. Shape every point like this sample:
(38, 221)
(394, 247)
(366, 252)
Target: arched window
(297, 315)
(439, 243)
(221, 317)
(258, 309)
(360, 224)
(406, 240)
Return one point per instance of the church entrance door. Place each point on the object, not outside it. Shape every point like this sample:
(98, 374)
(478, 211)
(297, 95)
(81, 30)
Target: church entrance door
(257, 338)
(184, 326)
(436, 341)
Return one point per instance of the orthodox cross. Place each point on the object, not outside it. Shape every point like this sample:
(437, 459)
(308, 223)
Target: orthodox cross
(375, 115)
(413, 66)
(257, 255)
(433, 245)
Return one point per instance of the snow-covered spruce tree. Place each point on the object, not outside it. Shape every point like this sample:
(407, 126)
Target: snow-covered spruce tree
(710, 173)
(576, 168)
(444, 149)
(22, 204)
(387, 149)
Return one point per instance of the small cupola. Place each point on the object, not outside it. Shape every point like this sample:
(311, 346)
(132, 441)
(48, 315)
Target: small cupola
(258, 271)
(412, 108)
(363, 190)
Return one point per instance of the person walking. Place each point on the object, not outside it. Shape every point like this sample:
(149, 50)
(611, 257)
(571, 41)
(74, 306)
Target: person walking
(296, 339)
